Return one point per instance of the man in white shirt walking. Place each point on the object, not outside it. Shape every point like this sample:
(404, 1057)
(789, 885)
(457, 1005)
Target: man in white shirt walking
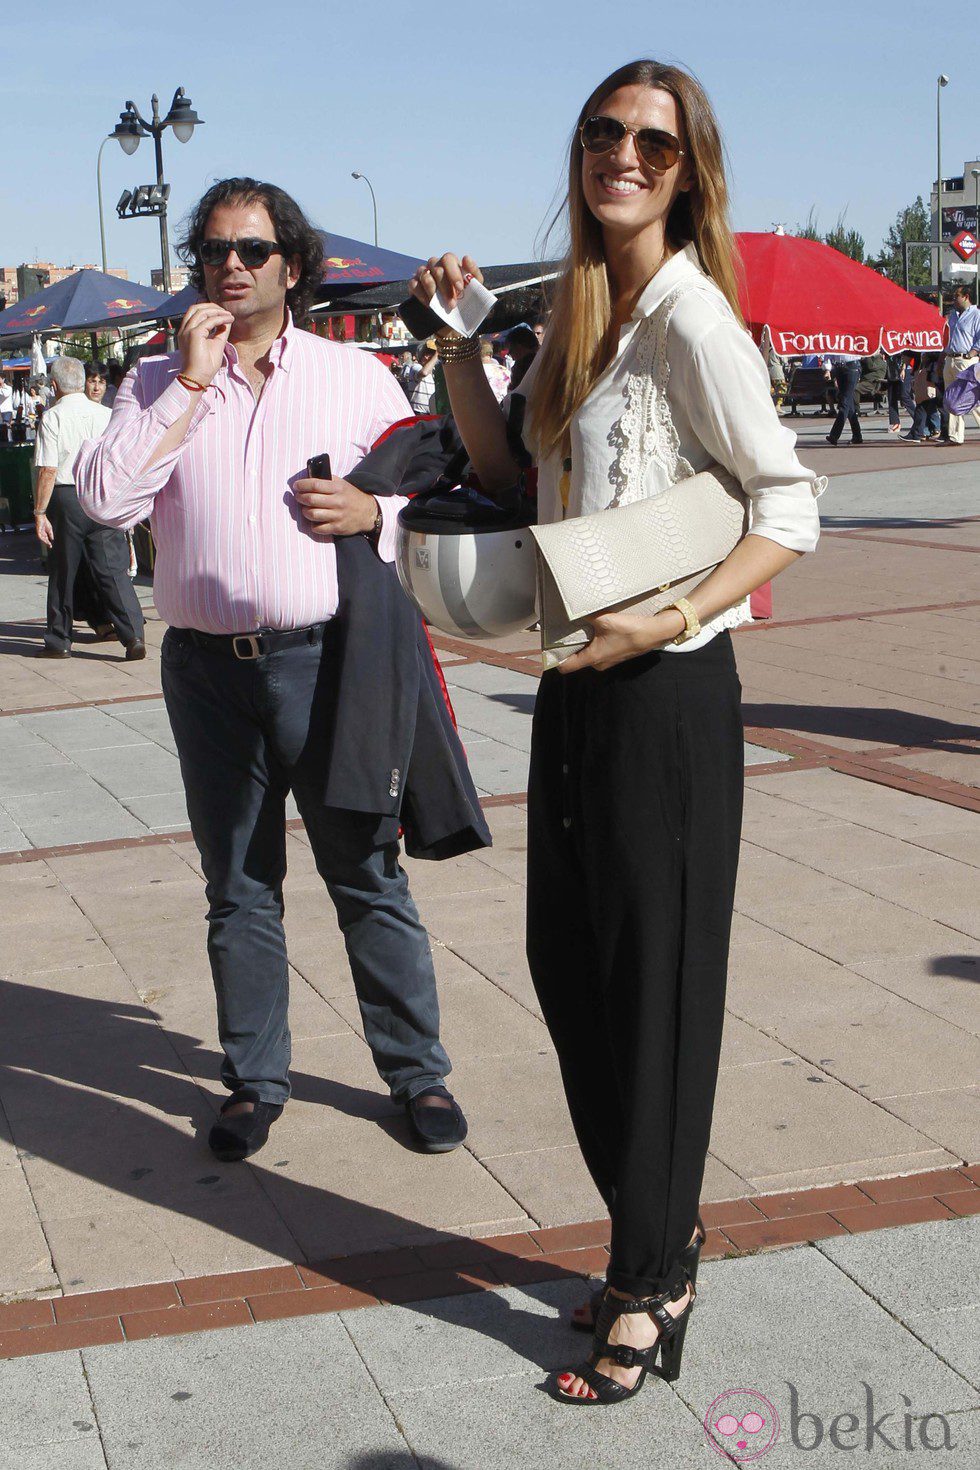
(67, 531)
(962, 352)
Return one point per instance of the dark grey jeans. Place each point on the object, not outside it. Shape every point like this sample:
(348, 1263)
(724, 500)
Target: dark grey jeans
(247, 733)
(78, 537)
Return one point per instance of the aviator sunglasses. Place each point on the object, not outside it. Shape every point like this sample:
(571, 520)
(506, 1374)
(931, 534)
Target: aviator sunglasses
(251, 251)
(658, 150)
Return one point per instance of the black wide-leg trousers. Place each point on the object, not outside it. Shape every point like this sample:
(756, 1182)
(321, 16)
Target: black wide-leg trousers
(635, 810)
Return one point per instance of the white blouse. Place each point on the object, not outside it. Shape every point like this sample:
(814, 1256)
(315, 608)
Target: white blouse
(687, 387)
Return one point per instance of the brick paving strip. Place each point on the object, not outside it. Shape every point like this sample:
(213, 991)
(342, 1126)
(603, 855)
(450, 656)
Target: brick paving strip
(461, 652)
(902, 541)
(737, 1227)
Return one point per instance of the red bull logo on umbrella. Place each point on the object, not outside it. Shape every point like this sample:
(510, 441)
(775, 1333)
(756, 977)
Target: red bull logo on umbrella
(34, 311)
(123, 303)
(357, 269)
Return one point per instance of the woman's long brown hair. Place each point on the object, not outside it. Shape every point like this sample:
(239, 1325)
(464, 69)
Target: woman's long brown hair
(574, 350)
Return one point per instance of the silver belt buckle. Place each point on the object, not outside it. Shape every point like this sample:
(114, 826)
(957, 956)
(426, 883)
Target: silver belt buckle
(253, 646)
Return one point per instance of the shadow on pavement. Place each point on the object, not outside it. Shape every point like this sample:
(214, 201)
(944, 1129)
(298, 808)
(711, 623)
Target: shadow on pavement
(384, 1460)
(957, 966)
(882, 726)
(897, 523)
(71, 1066)
(20, 554)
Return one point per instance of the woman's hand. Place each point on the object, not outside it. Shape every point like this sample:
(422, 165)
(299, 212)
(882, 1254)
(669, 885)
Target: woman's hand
(201, 340)
(619, 636)
(445, 274)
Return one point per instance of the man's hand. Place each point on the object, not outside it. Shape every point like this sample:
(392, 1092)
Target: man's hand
(619, 636)
(43, 529)
(201, 339)
(335, 508)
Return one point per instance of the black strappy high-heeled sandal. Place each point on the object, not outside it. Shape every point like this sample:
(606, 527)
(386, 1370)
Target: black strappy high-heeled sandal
(689, 1258)
(669, 1344)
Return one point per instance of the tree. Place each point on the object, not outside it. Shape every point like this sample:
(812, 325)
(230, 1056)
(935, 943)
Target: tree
(848, 242)
(911, 223)
(809, 231)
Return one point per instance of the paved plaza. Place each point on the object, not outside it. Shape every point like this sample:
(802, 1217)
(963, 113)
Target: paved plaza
(342, 1301)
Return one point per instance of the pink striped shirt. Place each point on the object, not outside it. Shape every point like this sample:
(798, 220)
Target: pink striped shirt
(233, 550)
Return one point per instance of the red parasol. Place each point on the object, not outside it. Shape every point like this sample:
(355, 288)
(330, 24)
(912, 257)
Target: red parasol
(814, 299)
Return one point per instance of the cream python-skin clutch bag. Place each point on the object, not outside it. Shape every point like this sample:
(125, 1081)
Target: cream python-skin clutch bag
(637, 558)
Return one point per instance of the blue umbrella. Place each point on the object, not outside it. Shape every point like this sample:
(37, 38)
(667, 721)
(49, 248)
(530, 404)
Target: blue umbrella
(81, 302)
(174, 306)
(351, 262)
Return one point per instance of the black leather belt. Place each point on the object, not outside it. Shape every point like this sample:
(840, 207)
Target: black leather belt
(253, 645)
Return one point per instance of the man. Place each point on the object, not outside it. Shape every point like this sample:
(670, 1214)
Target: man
(962, 351)
(95, 382)
(62, 525)
(212, 442)
(115, 376)
(420, 381)
(523, 345)
(845, 370)
(6, 399)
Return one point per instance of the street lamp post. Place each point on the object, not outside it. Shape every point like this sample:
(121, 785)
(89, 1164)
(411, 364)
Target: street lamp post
(374, 201)
(131, 127)
(98, 180)
(976, 228)
(941, 81)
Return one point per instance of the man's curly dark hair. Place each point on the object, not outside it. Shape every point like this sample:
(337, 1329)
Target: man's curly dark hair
(294, 234)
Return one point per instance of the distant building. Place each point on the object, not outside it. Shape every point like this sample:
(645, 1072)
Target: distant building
(24, 280)
(180, 277)
(959, 213)
(8, 284)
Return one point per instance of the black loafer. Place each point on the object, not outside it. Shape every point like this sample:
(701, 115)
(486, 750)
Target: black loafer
(243, 1135)
(436, 1130)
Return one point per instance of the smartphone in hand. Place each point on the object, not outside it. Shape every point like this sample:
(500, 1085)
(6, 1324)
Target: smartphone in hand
(318, 468)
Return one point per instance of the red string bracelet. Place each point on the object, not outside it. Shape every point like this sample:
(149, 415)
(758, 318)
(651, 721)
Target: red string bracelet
(191, 384)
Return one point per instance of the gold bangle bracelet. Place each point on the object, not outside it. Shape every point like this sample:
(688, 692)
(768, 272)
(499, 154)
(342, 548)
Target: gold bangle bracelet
(463, 351)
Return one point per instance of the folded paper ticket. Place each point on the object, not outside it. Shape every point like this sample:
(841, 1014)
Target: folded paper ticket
(470, 311)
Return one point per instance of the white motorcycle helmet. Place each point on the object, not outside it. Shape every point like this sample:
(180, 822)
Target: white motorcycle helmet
(467, 563)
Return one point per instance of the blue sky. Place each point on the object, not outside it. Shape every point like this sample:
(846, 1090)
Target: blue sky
(461, 120)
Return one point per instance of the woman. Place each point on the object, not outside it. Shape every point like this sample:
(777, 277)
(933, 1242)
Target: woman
(635, 791)
(497, 375)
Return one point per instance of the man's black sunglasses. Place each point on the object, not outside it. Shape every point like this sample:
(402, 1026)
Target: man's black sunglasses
(252, 252)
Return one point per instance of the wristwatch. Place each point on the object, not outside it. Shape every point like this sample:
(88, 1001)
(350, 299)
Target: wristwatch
(379, 520)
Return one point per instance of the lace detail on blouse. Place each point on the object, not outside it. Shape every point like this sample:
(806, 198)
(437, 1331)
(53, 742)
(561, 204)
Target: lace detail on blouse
(645, 431)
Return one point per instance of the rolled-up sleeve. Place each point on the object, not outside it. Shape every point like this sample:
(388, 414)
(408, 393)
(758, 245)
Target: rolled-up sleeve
(46, 446)
(114, 480)
(723, 385)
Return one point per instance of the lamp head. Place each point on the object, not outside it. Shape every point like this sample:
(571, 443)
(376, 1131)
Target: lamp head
(356, 175)
(182, 117)
(943, 79)
(128, 130)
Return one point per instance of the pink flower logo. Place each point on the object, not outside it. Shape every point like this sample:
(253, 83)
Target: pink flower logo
(741, 1424)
